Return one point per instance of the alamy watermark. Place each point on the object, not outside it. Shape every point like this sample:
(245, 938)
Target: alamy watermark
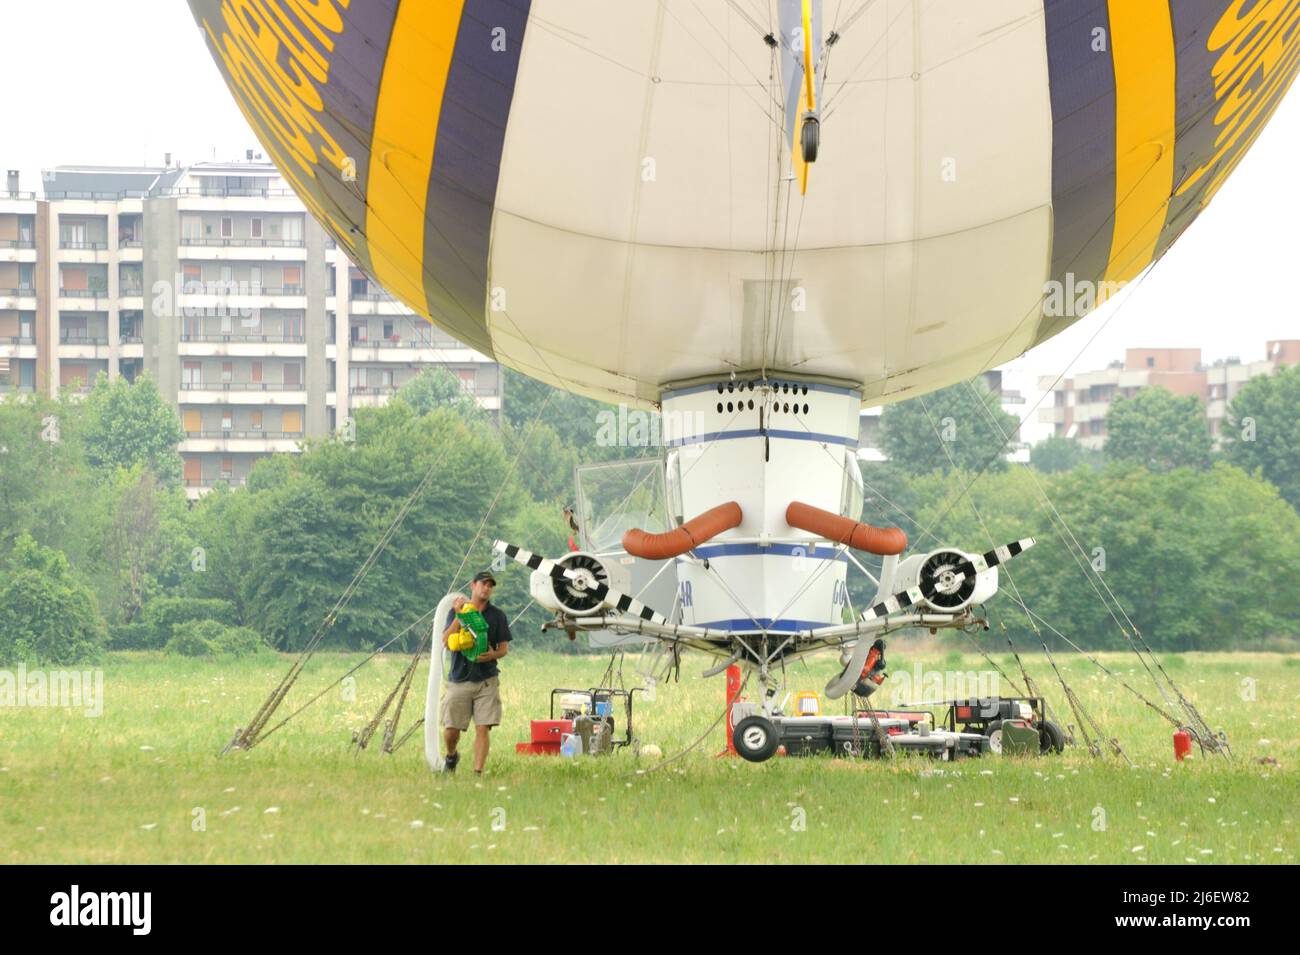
(632, 428)
(70, 689)
(934, 685)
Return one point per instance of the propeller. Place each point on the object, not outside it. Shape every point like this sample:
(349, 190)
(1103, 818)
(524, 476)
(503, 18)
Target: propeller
(945, 583)
(580, 579)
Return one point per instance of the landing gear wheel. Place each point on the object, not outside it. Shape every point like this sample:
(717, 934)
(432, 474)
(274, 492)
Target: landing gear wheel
(1051, 738)
(994, 732)
(810, 138)
(756, 738)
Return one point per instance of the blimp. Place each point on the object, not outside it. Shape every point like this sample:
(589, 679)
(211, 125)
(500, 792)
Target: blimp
(755, 217)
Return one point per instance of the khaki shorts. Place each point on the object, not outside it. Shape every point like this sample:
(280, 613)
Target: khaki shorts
(482, 700)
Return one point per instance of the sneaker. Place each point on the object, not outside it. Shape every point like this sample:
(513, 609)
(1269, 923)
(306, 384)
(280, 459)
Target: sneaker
(449, 765)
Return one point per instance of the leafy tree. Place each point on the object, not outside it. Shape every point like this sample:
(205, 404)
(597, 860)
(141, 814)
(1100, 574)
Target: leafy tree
(1262, 430)
(436, 387)
(1159, 431)
(46, 488)
(1061, 454)
(46, 615)
(575, 419)
(1197, 560)
(948, 430)
(546, 463)
(135, 542)
(127, 424)
(309, 534)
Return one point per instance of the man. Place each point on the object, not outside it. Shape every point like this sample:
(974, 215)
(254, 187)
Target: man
(474, 689)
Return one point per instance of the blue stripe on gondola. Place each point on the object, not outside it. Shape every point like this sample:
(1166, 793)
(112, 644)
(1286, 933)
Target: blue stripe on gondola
(746, 625)
(712, 551)
(811, 386)
(755, 433)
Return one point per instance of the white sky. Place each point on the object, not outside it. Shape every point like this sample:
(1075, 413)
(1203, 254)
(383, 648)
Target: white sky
(149, 87)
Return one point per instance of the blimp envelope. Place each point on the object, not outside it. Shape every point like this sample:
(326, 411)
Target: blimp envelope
(603, 195)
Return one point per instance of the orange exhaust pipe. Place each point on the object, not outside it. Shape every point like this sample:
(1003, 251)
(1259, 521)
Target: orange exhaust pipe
(679, 540)
(844, 530)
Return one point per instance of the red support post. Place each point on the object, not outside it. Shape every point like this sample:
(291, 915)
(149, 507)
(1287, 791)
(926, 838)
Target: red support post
(733, 694)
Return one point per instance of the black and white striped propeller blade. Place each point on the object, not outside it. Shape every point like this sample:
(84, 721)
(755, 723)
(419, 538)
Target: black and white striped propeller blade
(980, 563)
(602, 592)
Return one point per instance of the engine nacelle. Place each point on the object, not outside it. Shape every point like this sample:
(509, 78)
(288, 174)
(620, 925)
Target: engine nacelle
(945, 579)
(572, 596)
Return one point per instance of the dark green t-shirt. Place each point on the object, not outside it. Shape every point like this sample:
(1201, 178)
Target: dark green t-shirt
(462, 671)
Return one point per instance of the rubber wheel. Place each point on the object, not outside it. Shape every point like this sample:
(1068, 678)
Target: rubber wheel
(756, 738)
(1051, 738)
(994, 732)
(810, 139)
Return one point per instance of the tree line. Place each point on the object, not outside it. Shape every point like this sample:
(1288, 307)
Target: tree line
(99, 548)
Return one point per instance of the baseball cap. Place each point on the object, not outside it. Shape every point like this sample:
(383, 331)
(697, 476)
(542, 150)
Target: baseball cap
(485, 575)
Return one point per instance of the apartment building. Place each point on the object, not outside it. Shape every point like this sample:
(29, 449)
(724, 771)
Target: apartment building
(18, 285)
(1079, 404)
(214, 280)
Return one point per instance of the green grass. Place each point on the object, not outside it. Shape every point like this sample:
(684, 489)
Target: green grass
(124, 787)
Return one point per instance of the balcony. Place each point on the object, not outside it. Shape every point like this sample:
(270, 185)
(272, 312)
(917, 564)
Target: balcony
(281, 339)
(18, 340)
(226, 192)
(243, 393)
(197, 487)
(130, 243)
(246, 242)
(241, 442)
(130, 338)
(82, 293)
(205, 248)
(83, 245)
(83, 338)
(239, 386)
(230, 433)
(17, 243)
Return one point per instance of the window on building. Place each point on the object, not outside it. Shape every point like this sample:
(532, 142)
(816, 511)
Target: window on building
(193, 421)
(292, 277)
(255, 419)
(386, 378)
(227, 371)
(389, 331)
(255, 372)
(190, 374)
(227, 468)
(193, 471)
(74, 280)
(191, 227)
(292, 374)
(227, 419)
(291, 422)
(255, 228)
(227, 227)
(1151, 361)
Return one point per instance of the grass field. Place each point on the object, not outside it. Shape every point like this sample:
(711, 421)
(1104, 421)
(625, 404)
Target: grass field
(134, 784)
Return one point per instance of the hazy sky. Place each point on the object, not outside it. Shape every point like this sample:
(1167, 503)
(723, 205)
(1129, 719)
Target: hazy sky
(149, 87)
